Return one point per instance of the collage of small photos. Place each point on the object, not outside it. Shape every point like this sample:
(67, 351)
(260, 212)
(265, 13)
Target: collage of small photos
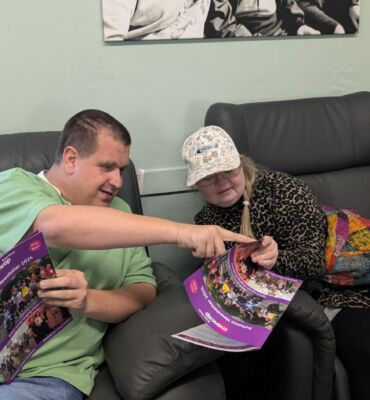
(26, 322)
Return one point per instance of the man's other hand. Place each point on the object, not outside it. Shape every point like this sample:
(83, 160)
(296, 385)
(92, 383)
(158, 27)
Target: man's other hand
(68, 289)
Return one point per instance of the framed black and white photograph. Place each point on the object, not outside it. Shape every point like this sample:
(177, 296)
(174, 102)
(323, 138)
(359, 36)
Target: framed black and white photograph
(202, 19)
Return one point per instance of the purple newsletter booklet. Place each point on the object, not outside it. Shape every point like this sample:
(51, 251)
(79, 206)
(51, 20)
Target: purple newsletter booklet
(239, 300)
(26, 321)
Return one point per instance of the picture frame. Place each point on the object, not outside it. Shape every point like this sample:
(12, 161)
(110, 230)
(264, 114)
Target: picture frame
(127, 20)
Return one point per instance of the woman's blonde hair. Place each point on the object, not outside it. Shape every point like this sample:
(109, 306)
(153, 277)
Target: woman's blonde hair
(249, 169)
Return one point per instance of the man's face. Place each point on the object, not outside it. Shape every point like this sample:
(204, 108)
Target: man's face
(96, 179)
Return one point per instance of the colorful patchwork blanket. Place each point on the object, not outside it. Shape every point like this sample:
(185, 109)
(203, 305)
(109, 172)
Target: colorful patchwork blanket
(347, 252)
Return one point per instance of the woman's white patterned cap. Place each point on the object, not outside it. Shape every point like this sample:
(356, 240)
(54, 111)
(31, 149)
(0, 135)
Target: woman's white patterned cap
(207, 151)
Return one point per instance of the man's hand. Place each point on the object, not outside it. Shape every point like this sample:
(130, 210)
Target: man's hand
(207, 240)
(267, 253)
(307, 30)
(69, 289)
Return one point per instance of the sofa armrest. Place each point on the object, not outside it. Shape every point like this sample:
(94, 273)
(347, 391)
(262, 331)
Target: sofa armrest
(306, 314)
(141, 355)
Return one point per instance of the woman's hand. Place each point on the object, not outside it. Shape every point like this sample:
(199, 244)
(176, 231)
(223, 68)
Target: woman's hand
(267, 253)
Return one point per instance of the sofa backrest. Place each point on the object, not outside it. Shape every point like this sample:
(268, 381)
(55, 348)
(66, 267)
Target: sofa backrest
(324, 140)
(34, 151)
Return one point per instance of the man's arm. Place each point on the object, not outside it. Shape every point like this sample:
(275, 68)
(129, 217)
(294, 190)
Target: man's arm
(89, 227)
(70, 289)
(118, 304)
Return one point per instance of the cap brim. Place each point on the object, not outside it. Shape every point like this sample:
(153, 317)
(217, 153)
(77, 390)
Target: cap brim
(195, 177)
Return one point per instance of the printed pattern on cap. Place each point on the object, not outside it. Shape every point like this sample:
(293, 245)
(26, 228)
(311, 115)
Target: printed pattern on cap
(207, 151)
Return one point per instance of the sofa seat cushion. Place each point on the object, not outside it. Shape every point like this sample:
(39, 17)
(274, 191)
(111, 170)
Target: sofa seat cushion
(141, 355)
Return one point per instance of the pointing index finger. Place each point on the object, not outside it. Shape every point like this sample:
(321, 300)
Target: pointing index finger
(229, 236)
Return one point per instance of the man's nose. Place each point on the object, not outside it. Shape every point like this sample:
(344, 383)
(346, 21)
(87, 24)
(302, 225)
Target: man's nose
(116, 179)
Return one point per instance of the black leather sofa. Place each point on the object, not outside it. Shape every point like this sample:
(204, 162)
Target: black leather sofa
(143, 360)
(325, 141)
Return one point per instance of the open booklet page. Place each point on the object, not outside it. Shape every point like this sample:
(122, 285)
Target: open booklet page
(237, 299)
(26, 321)
(205, 336)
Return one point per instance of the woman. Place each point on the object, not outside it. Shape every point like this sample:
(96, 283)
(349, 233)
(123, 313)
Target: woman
(282, 211)
(271, 206)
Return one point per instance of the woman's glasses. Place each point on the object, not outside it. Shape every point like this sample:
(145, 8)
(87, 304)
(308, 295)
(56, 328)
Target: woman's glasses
(211, 179)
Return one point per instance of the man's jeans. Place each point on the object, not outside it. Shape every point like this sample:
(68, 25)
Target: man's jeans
(47, 388)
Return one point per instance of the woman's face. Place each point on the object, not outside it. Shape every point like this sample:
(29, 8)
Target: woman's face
(225, 191)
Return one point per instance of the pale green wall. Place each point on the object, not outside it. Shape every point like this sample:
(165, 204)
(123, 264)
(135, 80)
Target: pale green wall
(53, 63)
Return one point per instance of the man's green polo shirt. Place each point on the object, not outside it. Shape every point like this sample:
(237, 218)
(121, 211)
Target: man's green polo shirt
(75, 353)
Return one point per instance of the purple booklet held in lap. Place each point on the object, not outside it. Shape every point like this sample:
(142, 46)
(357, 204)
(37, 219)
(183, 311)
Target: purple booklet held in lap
(239, 301)
(26, 321)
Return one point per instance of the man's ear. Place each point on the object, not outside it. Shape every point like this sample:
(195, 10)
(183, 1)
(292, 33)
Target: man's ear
(70, 159)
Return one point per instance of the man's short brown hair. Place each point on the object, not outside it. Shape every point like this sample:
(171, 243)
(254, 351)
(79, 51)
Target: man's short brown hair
(81, 131)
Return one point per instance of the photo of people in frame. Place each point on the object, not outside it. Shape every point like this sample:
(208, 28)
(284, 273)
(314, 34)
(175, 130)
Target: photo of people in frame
(201, 19)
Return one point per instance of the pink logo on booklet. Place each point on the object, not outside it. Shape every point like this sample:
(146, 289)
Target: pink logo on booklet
(35, 245)
(193, 286)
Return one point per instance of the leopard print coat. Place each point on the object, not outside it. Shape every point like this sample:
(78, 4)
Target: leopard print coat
(284, 207)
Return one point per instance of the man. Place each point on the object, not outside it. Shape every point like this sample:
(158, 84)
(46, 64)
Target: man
(102, 274)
